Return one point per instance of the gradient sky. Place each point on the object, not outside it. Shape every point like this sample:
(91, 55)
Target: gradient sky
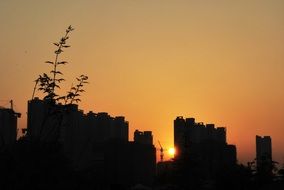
(219, 61)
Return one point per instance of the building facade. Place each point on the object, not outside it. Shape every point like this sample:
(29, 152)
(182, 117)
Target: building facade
(203, 144)
(8, 126)
(145, 137)
(49, 123)
(95, 140)
(264, 154)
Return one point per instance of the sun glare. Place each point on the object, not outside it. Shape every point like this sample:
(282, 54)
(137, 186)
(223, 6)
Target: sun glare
(172, 151)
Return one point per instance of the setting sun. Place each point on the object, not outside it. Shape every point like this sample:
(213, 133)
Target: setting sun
(172, 151)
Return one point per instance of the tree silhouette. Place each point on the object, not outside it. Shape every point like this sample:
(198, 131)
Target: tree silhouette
(48, 84)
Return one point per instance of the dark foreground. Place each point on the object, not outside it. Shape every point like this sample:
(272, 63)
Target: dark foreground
(31, 165)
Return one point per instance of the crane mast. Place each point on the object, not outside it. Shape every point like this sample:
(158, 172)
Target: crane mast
(161, 152)
(12, 108)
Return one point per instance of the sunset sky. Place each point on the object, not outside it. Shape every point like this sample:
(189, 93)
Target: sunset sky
(220, 61)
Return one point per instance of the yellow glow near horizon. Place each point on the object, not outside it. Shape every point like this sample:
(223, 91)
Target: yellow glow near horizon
(172, 151)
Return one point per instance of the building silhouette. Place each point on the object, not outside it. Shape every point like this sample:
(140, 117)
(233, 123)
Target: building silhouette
(143, 137)
(94, 140)
(131, 162)
(263, 154)
(47, 122)
(203, 144)
(8, 126)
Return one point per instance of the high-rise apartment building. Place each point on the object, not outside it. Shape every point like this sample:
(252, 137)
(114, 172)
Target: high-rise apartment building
(48, 123)
(188, 132)
(263, 153)
(204, 144)
(145, 137)
(8, 126)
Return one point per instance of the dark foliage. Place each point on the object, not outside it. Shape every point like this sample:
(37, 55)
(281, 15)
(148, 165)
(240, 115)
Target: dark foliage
(48, 84)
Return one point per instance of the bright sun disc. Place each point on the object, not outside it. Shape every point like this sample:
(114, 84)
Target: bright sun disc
(172, 151)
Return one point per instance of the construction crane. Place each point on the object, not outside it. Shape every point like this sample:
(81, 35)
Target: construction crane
(12, 108)
(161, 152)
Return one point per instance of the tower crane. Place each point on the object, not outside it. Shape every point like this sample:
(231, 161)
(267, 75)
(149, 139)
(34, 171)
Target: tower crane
(12, 108)
(161, 152)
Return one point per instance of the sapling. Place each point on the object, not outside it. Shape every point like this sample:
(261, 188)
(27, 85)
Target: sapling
(48, 83)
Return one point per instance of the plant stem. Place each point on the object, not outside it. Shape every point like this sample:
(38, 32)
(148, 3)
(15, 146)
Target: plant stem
(77, 90)
(55, 64)
(35, 88)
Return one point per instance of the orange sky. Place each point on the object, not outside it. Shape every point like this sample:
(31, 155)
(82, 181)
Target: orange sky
(219, 61)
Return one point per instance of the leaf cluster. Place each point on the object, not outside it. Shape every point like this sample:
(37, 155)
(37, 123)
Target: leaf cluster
(74, 92)
(48, 84)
